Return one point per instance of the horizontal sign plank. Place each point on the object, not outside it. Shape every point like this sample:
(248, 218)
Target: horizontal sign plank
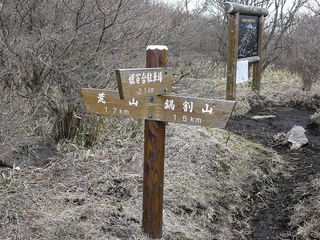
(186, 110)
(142, 82)
(193, 111)
(108, 102)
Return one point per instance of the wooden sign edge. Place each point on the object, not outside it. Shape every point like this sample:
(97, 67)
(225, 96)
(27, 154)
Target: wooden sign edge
(118, 76)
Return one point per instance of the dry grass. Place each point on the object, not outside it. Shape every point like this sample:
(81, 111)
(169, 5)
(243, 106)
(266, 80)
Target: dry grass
(212, 181)
(277, 87)
(305, 219)
(285, 88)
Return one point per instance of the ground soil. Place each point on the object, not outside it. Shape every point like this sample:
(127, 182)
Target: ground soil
(302, 165)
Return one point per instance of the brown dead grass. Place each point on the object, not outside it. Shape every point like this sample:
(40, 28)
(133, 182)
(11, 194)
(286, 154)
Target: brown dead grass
(305, 219)
(212, 181)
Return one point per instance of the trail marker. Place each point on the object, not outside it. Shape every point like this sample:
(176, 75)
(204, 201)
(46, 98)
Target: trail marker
(245, 43)
(156, 107)
(168, 108)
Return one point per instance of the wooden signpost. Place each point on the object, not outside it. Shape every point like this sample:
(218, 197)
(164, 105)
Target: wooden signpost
(245, 43)
(144, 94)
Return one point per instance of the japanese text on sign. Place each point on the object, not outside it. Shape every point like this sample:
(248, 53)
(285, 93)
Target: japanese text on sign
(186, 110)
(143, 78)
(143, 82)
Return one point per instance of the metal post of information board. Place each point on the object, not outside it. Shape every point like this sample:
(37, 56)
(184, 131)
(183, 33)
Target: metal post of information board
(154, 147)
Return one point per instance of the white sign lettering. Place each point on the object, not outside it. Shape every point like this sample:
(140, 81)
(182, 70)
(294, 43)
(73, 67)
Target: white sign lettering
(143, 78)
(207, 110)
(101, 97)
(133, 102)
(187, 106)
(169, 104)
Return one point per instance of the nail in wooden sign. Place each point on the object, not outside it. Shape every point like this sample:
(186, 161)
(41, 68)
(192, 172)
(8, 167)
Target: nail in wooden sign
(185, 110)
(143, 82)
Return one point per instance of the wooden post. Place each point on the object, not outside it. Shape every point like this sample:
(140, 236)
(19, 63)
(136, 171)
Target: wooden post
(257, 66)
(232, 56)
(154, 147)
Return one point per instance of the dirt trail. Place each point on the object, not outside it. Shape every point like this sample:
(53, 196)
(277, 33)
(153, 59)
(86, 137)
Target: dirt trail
(302, 165)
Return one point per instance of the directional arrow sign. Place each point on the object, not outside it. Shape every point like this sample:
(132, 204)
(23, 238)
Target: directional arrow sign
(186, 110)
(142, 82)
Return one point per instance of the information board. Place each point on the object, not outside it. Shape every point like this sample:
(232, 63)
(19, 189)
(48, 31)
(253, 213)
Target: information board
(248, 36)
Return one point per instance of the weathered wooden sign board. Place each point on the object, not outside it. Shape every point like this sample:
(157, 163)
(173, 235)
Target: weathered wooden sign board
(168, 108)
(143, 94)
(245, 43)
(143, 82)
(248, 36)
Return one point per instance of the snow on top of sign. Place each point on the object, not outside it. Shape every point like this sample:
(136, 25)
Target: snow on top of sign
(159, 47)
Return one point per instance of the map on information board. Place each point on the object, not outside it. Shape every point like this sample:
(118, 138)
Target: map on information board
(248, 36)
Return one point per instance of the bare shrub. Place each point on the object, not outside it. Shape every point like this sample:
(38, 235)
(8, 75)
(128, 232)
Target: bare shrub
(50, 49)
(304, 50)
(278, 24)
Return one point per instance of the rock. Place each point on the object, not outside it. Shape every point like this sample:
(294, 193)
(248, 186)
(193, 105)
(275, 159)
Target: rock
(280, 137)
(31, 151)
(315, 118)
(315, 235)
(297, 137)
(263, 117)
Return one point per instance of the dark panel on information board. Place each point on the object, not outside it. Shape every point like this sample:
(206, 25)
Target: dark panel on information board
(248, 36)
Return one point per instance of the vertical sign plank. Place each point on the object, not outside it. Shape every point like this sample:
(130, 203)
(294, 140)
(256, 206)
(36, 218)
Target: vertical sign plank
(257, 67)
(144, 82)
(232, 56)
(154, 143)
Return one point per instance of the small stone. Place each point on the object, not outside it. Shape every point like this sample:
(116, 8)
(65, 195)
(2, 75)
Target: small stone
(30, 151)
(297, 137)
(263, 117)
(280, 137)
(315, 235)
(315, 118)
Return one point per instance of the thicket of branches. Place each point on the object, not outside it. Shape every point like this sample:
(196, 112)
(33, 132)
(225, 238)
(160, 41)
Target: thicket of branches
(50, 49)
(303, 47)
